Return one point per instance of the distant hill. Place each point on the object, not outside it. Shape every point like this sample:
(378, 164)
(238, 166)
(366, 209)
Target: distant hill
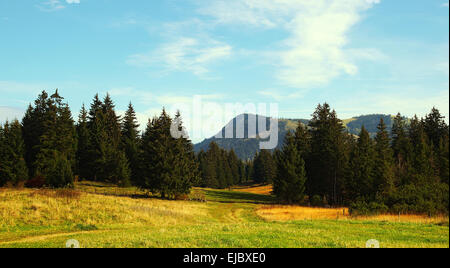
(246, 147)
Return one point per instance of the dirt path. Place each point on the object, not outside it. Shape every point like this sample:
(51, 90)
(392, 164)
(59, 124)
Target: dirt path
(49, 236)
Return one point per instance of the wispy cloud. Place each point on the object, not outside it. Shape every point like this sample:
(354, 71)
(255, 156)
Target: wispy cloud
(55, 5)
(184, 54)
(314, 54)
(445, 4)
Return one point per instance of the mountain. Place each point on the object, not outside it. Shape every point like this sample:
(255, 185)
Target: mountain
(246, 147)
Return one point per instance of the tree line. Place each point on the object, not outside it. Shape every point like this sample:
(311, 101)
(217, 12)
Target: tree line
(406, 171)
(49, 149)
(320, 164)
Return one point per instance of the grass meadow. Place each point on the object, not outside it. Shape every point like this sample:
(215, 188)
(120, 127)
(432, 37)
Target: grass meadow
(102, 215)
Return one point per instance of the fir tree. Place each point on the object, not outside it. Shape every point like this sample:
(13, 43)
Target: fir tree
(362, 164)
(83, 145)
(303, 140)
(290, 183)
(328, 159)
(384, 162)
(435, 127)
(107, 160)
(422, 161)
(130, 140)
(13, 169)
(33, 128)
(57, 143)
(264, 168)
(401, 145)
(168, 164)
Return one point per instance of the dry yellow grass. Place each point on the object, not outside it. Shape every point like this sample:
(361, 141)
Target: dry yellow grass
(263, 190)
(288, 213)
(58, 207)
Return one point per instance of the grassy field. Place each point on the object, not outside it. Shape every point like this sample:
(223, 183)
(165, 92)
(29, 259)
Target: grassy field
(100, 215)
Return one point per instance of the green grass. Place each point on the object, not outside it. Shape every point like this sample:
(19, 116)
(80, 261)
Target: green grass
(227, 220)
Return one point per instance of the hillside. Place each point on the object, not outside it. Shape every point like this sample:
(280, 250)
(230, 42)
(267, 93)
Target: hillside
(247, 147)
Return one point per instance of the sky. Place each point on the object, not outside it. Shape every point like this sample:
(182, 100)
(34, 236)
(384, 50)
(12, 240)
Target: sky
(360, 56)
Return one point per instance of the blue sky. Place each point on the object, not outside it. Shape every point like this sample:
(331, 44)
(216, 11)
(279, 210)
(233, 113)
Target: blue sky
(361, 56)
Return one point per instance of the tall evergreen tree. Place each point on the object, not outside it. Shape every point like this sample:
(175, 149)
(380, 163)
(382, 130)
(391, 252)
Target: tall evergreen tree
(130, 140)
(422, 161)
(13, 169)
(58, 144)
(168, 165)
(362, 166)
(384, 162)
(108, 161)
(435, 127)
(401, 144)
(265, 167)
(33, 128)
(209, 166)
(290, 183)
(303, 140)
(83, 135)
(328, 159)
(188, 169)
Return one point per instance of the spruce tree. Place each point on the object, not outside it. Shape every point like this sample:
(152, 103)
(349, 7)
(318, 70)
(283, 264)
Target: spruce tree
(329, 155)
(83, 165)
(384, 162)
(57, 145)
(13, 169)
(233, 163)
(33, 128)
(186, 166)
(435, 127)
(130, 140)
(107, 160)
(362, 166)
(290, 183)
(422, 158)
(265, 168)
(97, 141)
(401, 145)
(168, 164)
(209, 167)
(303, 140)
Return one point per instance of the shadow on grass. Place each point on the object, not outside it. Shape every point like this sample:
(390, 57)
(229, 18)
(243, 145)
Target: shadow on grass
(224, 196)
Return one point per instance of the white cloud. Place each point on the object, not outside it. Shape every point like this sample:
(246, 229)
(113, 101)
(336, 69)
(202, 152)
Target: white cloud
(314, 53)
(184, 55)
(445, 4)
(55, 5)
